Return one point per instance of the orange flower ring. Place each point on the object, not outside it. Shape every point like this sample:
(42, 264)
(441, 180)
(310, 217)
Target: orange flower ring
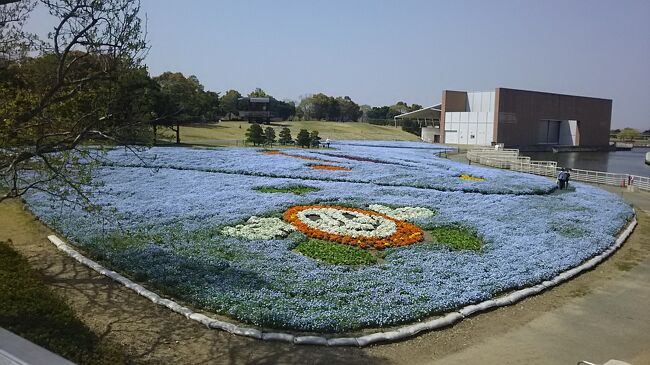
(402, 234)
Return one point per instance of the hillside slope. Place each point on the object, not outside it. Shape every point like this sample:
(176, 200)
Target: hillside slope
(233, 133)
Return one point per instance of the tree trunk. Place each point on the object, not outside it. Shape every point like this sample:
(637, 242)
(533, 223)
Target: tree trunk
(178, 134)
(154, 133)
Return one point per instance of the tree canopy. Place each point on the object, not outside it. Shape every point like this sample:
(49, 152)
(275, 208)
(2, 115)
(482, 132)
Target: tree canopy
(229, 102)
(322, 107)
(73, 88)
(628, 134)
(184, 100)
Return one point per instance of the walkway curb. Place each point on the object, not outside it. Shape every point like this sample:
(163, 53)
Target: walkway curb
(377, 337)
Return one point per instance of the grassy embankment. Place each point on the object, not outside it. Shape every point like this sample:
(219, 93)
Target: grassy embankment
(234, 133)
(31, 310)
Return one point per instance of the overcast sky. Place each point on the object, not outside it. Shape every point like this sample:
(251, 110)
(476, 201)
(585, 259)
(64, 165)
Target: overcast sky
(379, 52)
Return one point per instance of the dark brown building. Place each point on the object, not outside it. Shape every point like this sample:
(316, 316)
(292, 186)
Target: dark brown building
(524, 119)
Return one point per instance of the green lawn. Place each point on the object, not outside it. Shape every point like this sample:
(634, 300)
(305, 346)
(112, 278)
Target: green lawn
(233, 133)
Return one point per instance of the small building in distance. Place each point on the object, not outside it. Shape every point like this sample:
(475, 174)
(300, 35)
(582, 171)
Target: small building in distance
(519, 119)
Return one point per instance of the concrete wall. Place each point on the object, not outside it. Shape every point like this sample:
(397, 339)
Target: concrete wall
(519, 114)
(431, 134)
(469, 128)
(467, 117)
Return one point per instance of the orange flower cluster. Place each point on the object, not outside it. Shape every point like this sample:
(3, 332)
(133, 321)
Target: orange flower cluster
(405, 234)
(330, 168)
(277, 152)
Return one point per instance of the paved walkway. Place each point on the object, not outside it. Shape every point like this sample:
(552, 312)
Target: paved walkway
(15, 350)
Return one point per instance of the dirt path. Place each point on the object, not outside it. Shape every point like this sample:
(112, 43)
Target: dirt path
(599, 315)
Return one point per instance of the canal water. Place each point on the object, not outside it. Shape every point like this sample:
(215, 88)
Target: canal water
(627, 162)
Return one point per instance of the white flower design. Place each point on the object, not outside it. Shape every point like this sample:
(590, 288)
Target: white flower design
(257, 228)
(404, 213)
(347, 223)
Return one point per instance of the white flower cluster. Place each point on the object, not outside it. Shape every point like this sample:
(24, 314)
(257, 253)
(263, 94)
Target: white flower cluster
(404, 213)
(347, 223)
(257, 228)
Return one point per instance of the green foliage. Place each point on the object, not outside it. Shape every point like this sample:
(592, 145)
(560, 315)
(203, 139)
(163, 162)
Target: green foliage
(282, 109)
(335, 253)
(31, 310)
(457, 238)
(387, 112)
(228, 102)
(183, 100)
(628, 134)
(412, 127)
(314, 138)
(257, 93)
(295, 189)
(322, 107)
(255, 134)
(285, 136)
(378, 112)
(269, 135)
(303, 138)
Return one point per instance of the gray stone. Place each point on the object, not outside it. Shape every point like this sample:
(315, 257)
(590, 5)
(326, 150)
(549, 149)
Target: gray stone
(248, 332)
(224, 326)
(277, 336)
(395, 335)
(342, 341)
(469, 310)
(201, 318)
(413, 329)
(151, 296)
(310, 340)
(373, 338)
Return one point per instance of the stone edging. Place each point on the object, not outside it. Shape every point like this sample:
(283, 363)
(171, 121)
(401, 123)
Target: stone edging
(399, 334)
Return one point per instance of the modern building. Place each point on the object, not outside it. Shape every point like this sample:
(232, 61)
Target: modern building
(516, 118)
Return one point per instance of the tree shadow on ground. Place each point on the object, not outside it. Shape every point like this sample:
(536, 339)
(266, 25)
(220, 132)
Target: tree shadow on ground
(153, 334)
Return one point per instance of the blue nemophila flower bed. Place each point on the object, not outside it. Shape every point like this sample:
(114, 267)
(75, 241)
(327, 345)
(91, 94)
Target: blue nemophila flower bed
(162, 226)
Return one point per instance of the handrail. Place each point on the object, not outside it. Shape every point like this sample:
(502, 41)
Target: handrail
(510, 159)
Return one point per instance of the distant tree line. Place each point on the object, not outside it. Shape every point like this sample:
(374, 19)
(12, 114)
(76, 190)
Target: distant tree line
(319, 107)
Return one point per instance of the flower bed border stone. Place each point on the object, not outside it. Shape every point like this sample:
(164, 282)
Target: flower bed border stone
(395, 335)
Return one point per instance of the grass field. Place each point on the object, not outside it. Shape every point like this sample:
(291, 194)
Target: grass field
(233, 133)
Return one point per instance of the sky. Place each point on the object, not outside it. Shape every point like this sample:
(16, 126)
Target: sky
(380, 52)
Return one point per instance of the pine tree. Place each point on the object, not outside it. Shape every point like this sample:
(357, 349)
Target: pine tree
(285, 136)
(314, 139)
(255, 134)
(269, 135)
(303, 139)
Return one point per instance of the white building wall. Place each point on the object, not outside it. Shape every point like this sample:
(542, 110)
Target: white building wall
(470, 128)
(475, 126)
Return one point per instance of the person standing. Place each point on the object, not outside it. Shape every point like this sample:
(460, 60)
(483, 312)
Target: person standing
(561, 179)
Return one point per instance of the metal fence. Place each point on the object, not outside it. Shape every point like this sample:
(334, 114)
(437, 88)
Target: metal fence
(510, 159)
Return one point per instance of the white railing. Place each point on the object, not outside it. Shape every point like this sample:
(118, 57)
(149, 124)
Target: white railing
(510, 159)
